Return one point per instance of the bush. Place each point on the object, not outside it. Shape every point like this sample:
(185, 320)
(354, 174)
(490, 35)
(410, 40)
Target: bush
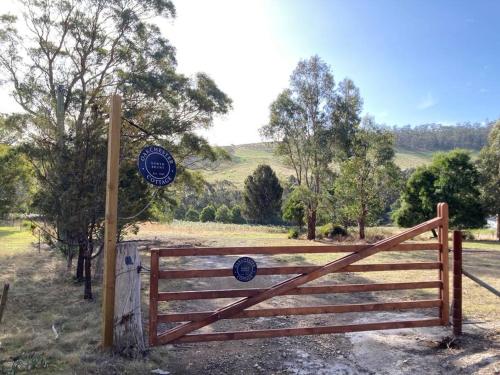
(293, 234)
(236, 216)
(332, 231)
(338, 231)
(223, 215)
(294, 209)
(323, 230)
(467, 235)
(180, 213)
(207, 214)
(192, 215)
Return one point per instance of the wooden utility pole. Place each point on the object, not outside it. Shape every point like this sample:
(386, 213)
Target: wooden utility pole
(110, 225)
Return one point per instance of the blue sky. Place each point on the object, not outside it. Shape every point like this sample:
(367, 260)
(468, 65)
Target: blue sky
(414, 61)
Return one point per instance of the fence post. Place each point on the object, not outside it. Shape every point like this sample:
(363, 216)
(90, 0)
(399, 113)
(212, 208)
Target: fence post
(153, 297)
(443, 258)
(457, 283)
(128, 338)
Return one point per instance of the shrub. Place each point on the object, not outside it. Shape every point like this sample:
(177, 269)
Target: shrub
(329, 230)
(294, 209)
(192, 215)
(467, 235)
(180, 213)
(337, 230)
(236, 216)
(223, 215)
(207, 214)
(293, 234)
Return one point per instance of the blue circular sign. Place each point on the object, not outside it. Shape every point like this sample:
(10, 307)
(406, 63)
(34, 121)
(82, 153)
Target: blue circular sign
(244, 269)
(157, 166)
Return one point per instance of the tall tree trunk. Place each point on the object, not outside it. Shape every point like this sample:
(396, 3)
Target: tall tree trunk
(361, 227)
(99, 260)
(69, 262)
(498, 226)
(311, 224)
(87, 294)
(80, 263)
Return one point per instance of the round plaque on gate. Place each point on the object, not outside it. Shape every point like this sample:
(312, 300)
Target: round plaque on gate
(244, 269)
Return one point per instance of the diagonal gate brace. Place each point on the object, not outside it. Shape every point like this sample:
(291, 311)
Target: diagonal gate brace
(280, 288)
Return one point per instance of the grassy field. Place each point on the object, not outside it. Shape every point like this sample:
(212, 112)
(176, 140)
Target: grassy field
(15, 240)
(44, 300)
(245, 158)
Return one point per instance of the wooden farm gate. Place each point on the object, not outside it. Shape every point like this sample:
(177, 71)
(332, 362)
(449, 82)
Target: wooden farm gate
(192, 321)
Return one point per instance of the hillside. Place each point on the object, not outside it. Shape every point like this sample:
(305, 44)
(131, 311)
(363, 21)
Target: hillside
(245, 158)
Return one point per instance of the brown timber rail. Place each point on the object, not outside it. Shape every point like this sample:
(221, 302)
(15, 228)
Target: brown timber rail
(193, 321)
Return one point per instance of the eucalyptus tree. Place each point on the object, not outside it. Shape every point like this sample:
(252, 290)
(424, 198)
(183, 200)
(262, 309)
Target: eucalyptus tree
(489, 172)
(80, 52)
(312, 122)
(361, 188)
(345, 118)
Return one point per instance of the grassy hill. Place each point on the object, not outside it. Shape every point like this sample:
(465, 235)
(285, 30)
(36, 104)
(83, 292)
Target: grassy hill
(245, 158)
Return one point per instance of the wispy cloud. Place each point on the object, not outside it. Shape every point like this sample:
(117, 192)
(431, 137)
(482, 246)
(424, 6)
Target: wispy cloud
(427, 101)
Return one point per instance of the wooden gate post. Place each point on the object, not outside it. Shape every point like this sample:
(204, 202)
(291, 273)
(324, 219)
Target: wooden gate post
(110, 224)
(443, 258)
(457, 283)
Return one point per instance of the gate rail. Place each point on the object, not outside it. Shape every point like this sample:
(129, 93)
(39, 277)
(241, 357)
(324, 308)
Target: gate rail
(193, 321)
